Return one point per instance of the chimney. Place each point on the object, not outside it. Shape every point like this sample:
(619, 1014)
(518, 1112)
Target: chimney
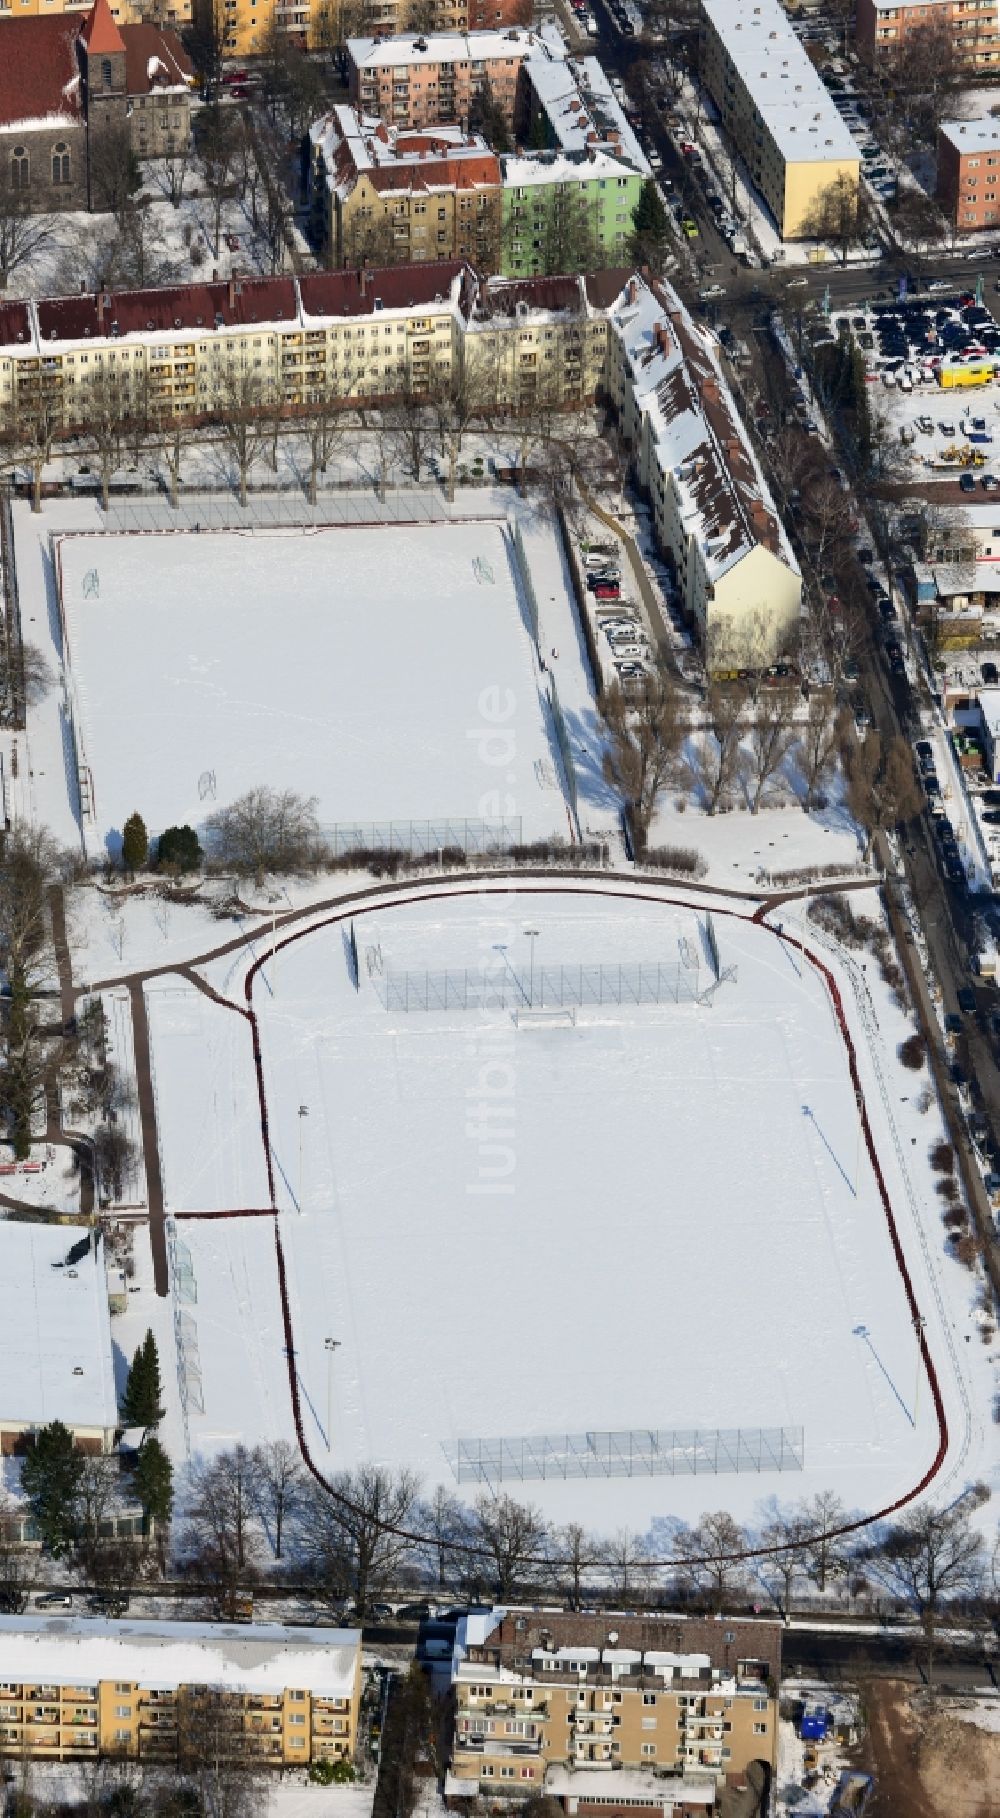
(363, 281)
(100, 309)
(759, 518)
(232, 293)
(709, 392)
(215, 274)
(633, 290)
(662, 337)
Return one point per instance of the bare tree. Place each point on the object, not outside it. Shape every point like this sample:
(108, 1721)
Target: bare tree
(717, 750)
(508, 1534)
(38, 676)
(712, 1543)
(221, 1537)
(882, 787)
(357, 1529)
(112, 400)
(328, 424)
(18, 1563)
(931, 1555)
(37, 421)
(266, 830)
(780, 1570)
(220, 1760)
(456, 400)
(169, 432)
(840, 214)
(443, 1520)
(572, 1550)
(218, 152)
(644, 732)
(409, 423)
(98, 1495)
(825, 1551)
(114, 171)
(174, 174)
(22, 233)
(240, 403)
(626, 1556)
(31, 862)
(820, 736)
(771, 737)
(278, 1482)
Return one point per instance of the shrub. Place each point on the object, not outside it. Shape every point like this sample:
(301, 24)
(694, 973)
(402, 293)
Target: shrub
(683, 860)
(943, 1158)
(179, 849)
(912, 1052)
(967, 1250)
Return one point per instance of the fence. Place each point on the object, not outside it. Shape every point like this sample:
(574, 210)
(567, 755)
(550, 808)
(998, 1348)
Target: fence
(423, 838)
(14, 706)
(524, 576)
(633, 1452)
(540, 987)
(288, 510)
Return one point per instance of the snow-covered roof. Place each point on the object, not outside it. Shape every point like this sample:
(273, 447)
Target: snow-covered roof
(697, 432)
(786, 87)
(55, 1329)
(553, 167)
(581, 107)
(268, 1657)
(440, 47)
(352, 144)
(989, 707)
(982, 134)
(597, 1787)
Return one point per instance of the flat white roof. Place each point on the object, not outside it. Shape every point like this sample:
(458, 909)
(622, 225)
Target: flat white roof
(595, 1785)
(440, 47)
(793, 100)
(989, 707)
(972, 135)
(55, 1329)
(261, 1657)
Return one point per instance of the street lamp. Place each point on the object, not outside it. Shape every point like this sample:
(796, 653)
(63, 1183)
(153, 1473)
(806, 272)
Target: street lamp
(330, 1345)
(532, 934)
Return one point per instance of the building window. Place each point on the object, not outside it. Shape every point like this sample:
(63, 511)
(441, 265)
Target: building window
(123, 1710)
(649, 1697)
(647, 1750)
(20, 168)
(760, 1729)
(107, 73)
(60, 163)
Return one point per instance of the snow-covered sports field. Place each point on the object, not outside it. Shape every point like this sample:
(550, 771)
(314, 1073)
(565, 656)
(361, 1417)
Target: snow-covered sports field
(629, 1219)
(389, 671)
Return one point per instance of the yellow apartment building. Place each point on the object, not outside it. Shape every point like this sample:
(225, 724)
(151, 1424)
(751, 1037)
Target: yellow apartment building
(712, 511)
(382, 196)
(177, 13)
(189, 351)
(560, 1703)
(76, 1689)
(775, 110)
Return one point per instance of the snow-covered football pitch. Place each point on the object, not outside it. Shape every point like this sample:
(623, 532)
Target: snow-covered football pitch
(390, 671)
(549, 1213)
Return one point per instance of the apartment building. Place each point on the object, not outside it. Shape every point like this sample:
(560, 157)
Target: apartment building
(713, 515)
(177, 13)
(382, 195)
(968, 169)
(318, 24)
(76, 1689)
(417, 81)
(578, 1705)
(570, 102)
(777, 114)
(350, 335)
(562, 213)
(974, 25)
(56, 1360)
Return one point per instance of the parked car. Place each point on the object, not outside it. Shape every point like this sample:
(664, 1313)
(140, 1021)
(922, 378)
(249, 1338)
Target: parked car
(967, 482)
(54, 1600)
(990, 674)
(967, 1000)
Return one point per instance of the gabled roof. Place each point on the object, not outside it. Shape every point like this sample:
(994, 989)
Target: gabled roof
(154, 59)
(39, 73)
(100, 33)
(353, 293)
(238, 303)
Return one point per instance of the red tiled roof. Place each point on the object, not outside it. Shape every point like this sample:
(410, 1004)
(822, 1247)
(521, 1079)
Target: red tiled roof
(39, 73)
(351, 293)
(502, 295)
(15, 327)
(241, 303)
(143, 43)
(603, 287)
(439, 173)
(100, 33)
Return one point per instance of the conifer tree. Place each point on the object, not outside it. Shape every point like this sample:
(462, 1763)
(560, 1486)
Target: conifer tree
(135, 843)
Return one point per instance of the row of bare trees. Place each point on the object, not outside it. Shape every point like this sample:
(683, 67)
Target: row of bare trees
(371, 1533)
(738, 740)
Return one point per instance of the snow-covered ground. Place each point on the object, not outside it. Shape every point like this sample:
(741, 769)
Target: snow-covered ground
(656, 1217)
(222, 682)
